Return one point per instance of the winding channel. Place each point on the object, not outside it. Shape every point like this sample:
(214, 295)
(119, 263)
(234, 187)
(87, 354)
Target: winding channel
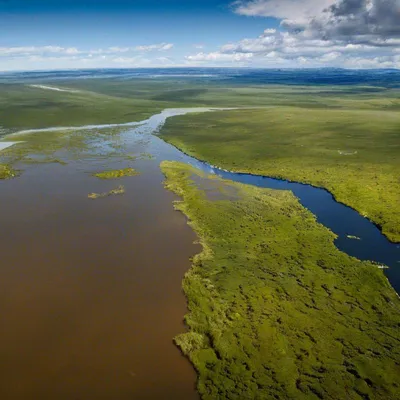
(344, 221)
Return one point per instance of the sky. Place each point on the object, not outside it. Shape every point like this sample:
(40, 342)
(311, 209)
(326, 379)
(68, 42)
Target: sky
(52, 34)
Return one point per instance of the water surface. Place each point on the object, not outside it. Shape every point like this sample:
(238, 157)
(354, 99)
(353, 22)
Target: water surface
(90, 290)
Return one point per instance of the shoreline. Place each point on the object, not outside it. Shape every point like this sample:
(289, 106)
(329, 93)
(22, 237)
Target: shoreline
(6, 145)
(225, 296)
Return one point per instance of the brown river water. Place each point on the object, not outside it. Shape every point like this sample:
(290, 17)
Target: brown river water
(90, 290)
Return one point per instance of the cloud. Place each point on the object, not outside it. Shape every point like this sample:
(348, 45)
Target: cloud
(155, 47)
(55, 57)
(300, 10)
(32, 50)
(284, 49)
(360, 21)
(340, 33)
(352, 21)
(25, 51)
(219, 57)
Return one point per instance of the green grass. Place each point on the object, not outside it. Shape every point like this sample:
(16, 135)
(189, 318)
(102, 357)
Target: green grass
(102, 101)
(352, 153)
(276, 311)
(118, 173)
(24, 107)
(186, 93)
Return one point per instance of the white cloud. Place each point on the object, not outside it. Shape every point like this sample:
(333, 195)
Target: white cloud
(155, 47)
(31, 50)
(355, 21)
(219, 57)
(277, 48)
(25, 51)
(50, 57)
(340, 33)
(283, 9)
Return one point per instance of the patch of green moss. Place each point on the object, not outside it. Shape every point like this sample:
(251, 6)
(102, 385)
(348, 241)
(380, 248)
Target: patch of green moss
(118, 190)
(276, 311)
(117, 173)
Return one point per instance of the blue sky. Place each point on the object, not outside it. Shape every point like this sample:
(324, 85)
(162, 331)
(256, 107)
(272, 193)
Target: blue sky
(51, 34)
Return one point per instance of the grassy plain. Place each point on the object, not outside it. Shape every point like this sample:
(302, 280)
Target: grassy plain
(102, 101)
(25, 107)
(352, 153)
(276, 311)
(186, 93)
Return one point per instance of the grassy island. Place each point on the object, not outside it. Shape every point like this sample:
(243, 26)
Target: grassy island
(117, 173)
(113, 192)
(352, 153)
(276, 311)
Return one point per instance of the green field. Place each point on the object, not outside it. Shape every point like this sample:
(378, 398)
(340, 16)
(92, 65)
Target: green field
(25, 107)
(102, 101)
(185, 93)
(276, 311)
(354, 153)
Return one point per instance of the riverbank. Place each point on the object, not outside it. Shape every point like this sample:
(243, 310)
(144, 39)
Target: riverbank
(275, 308)
(6, 145)
(348, 152)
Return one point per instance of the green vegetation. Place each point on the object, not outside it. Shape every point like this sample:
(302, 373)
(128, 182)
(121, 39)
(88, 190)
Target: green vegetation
(24, 107)
(188, 93)
(276, 311)
(6, 172)
(352, 153)
(44, 160)
(118, 173)
(102, 101)
(118, 190)
(64, 146)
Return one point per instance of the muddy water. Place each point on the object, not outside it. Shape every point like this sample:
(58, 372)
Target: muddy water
(90, 290)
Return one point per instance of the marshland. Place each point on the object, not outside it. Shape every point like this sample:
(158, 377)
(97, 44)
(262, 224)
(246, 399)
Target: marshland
(205, 277)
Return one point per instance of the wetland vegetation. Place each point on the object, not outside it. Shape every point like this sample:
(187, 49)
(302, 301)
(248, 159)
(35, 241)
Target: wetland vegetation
(7, 172)
(275, 310)
(119, 190)
(103, 101)
(352, 153)
(115, 174)
(24, 107)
